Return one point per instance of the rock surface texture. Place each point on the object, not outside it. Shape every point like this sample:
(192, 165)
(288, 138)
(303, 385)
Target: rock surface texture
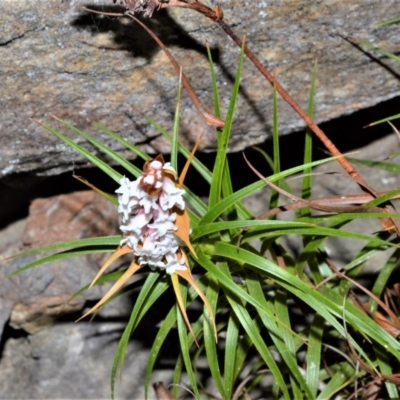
(55, 58)
(44, 354)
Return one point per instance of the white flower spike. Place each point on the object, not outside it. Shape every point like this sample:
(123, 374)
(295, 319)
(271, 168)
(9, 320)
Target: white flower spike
(156, 228)
(148, 219)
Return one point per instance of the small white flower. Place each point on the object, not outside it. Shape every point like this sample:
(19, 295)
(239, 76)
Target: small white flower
(149, 202)
(132, 241)
(154, 262)
(171, 195)
(124, 198)
(167, 243)
(173, 264)
(158, 246)
(162, 225)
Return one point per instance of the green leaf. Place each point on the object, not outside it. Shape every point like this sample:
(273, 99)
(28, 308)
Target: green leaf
(379, 50)
(166, 326)
(103, 241)
(112, 173)
(386, 368)
(387, 22)
(248, 325)
(314, 354)
(149, 293)
(327, 303)
(136, 150)
(387, 119)
(341, 379)
(277, 332)
(273, 225)
(223, 140)
(214, 212)
(382, 165)
(231, 347)
(307, 179)
(209, 338)
(381, 282)
(345, 217)
(315, 231)
(104, 149)
(185, 345)
(60, 256)
(229, 284)
(174, 148)
(296, 379)
(275, 140)
(217, 110)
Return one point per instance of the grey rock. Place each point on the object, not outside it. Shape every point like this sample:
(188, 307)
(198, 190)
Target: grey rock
(38, 296)
(70, 361)
(57, 59)
(44, 354)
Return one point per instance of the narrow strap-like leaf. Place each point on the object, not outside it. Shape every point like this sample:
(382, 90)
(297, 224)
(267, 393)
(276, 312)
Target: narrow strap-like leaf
(107, 196)
(118, 253)
(128, 273)
(188, 162)
(87, 154)
(187, 275)
(181, 303)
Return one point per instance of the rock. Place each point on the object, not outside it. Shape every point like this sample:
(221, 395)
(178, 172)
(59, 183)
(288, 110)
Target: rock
(43, 353)
(58, 59)
(71, 361)
(38, 296)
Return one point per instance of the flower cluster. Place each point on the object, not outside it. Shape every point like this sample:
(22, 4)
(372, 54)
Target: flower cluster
(149, 207)
(156, 229)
